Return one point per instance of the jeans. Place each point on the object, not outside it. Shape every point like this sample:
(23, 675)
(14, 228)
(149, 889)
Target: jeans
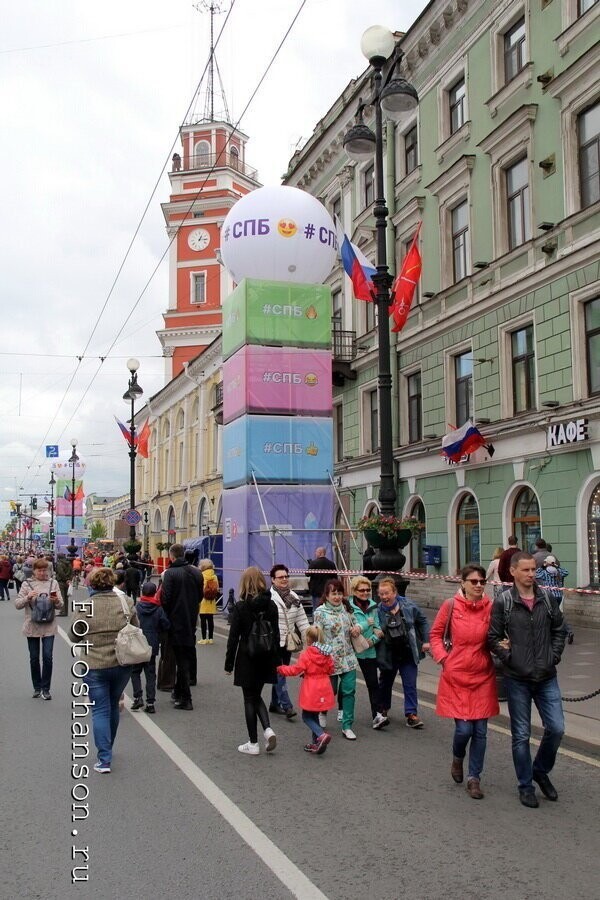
(4, 588)
(279, 694)
(149, 670)
(368, 667)
(105, 689)
(311, 719)
(347, 686)
(41, 679)
(546, 696)
(408, 673)
(474, 730)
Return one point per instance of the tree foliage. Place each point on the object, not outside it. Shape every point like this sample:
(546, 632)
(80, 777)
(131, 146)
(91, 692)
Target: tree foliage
(98, 531)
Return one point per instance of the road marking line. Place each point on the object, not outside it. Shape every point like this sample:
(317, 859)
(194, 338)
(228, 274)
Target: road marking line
(269, 853)
(275, 859)
(500, 729)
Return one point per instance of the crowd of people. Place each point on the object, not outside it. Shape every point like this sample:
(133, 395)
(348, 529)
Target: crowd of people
(520, 633)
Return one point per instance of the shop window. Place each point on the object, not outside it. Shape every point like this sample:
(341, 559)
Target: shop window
(594, 537)
(525, 524)
(467, 532)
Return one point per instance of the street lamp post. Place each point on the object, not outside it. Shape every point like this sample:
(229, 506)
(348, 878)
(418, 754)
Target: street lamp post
(52, 482)
(397, 99)
(18, 506)
(131, 394)
(73, 459)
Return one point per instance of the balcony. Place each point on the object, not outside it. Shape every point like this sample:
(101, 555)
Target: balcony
(343, 352)
(206, 162)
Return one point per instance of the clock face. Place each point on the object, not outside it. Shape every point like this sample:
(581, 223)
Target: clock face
(199, 239)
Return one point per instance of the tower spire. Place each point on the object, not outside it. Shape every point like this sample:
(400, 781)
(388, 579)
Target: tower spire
(208, 86)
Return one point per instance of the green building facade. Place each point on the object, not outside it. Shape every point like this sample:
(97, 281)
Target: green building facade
(501, 164)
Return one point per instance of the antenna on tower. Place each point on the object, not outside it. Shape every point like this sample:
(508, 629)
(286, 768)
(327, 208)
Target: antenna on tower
(214, 8)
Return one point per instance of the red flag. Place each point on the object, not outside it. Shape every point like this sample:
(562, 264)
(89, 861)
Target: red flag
(79, 494)
(142, 440)
(403, 288)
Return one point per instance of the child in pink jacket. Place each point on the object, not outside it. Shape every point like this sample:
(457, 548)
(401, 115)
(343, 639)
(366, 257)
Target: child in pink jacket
(315, 665)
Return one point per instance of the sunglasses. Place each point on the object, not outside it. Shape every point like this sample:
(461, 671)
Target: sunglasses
(364, 590)
(476, 580)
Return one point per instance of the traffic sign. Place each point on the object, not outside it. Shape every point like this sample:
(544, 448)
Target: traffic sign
(132, 517)
(51, 451)
(77, 534)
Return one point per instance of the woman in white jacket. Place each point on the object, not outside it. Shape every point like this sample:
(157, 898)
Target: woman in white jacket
(292, 621)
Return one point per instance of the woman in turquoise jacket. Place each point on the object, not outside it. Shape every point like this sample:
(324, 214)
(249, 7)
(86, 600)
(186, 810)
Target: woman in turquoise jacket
(364, 609)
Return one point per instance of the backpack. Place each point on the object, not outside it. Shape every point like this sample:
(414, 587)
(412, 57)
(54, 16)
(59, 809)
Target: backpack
(261, 640)
(43, 611)
(395, 629)
(508, 602)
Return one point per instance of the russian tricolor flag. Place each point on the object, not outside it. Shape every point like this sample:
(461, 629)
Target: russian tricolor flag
(462, 441)
(356, 265)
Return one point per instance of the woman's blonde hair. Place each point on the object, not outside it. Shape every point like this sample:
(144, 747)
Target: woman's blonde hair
(498, 552)
(101, 579)
(314, 635)
(252, 583)
(357, 581)
(206, 564)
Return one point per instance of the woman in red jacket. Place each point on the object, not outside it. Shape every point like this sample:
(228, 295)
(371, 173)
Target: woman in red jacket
(316, 666)
(467, 688)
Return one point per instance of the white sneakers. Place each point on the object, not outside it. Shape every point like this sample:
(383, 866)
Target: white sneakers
(270, 739)
(380, 721)
(340, 716)
(323, 720)
(348, 734)
(250, 749)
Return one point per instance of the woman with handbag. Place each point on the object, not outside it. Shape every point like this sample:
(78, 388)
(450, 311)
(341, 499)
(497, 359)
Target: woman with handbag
(253, 653)
(39, 596)
(364, 609)
(97, 629)
(467, 686)
(336, 618)
(293, 623)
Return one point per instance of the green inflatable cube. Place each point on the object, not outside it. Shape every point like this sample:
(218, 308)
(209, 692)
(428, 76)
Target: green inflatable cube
(277, 314)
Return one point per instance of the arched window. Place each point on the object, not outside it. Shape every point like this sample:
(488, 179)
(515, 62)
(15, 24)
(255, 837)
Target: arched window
(594, 537)
(234, 158)
(171, 524)
(180, 420)
(157, 527)
(203, 517)
(184, 517)
(418, 539)
(195, 410)
(467, 531)
(166, 430)
(525, 524)
(202, 153)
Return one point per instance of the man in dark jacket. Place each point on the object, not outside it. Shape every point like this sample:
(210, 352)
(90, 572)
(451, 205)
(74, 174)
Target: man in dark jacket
(181, 594)
(133, 579)
(64, 573)
(504, 573)
(527, 635)
(316, 578)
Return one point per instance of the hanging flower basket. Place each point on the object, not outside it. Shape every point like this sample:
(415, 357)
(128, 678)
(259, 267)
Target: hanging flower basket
(387, 532)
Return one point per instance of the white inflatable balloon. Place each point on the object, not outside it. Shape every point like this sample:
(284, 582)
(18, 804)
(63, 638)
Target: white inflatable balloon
(279, 234)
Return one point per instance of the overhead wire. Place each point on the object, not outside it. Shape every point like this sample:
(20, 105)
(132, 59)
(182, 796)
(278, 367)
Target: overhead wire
(193, 199)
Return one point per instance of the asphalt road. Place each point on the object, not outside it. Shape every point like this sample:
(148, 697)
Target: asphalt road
(184, 814)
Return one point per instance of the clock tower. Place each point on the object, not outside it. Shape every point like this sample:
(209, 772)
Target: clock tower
(207, 178)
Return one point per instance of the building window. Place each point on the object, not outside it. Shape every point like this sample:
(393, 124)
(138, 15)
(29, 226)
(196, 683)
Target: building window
(415, 403)
(460, 240)
(336, 208)
(411, 150)
(517, 202)
(338, 424)
(594, 537)
(370, 316)
(199, 287)
(456, 99)
(514, 50)
(463, 387)
(523, 369)
(418, 539)
(234, 158)
(202, 153)
(592, 345)
(373, 417)
(525, 523)
(584, 5)
(467, 532)
(589, 155)
(336, 308)
(369, 185)
(203, 517)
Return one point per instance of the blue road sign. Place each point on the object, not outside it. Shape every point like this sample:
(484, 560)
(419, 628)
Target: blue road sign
(51, 451)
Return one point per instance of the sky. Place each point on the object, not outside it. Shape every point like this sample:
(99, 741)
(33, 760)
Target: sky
(91, 100)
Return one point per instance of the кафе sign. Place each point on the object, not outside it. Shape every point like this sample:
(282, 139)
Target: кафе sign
(562, 433)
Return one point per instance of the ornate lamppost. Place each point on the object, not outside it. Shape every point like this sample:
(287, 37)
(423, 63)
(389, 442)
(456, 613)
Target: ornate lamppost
(52, 482)
(131, 394)
(73, 459)
(397, 99)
